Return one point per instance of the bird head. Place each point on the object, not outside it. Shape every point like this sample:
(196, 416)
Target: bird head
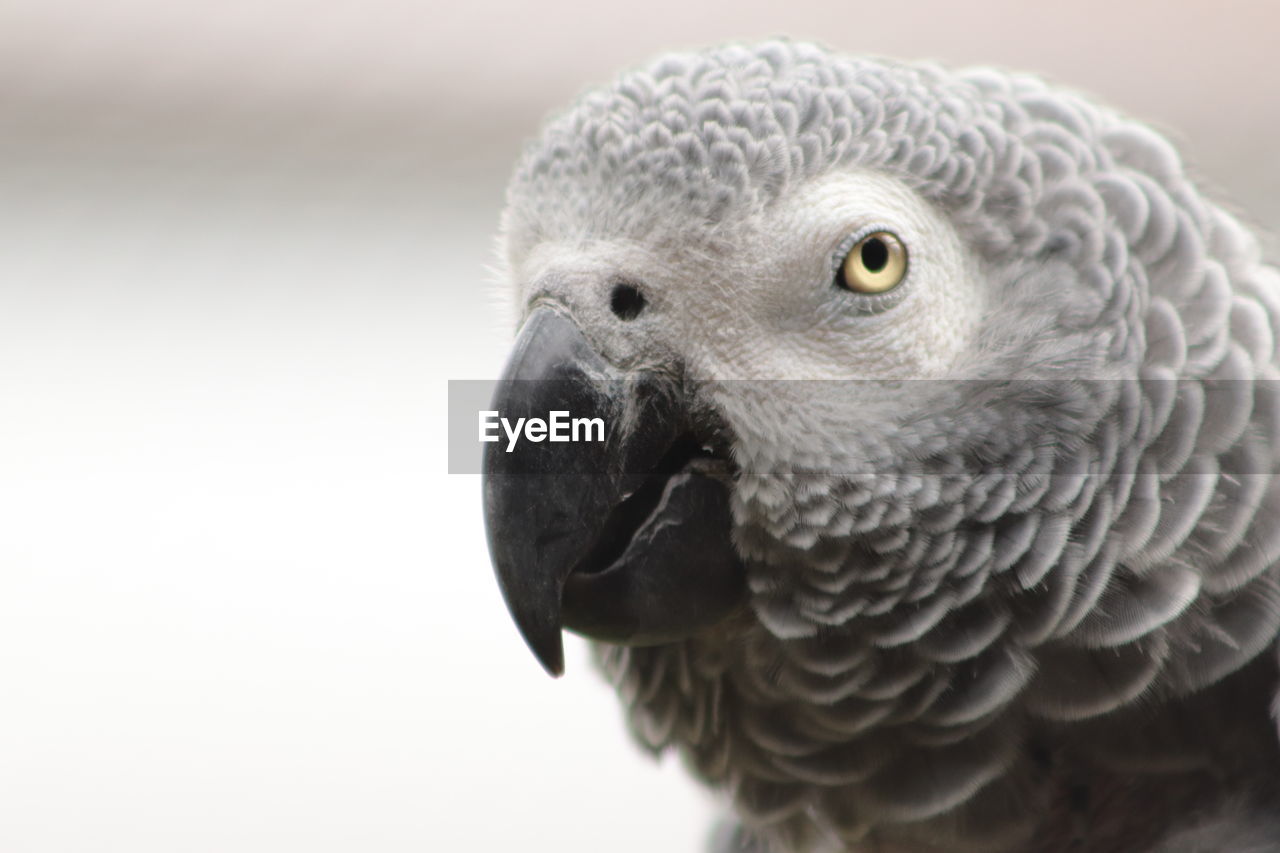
(836, 273)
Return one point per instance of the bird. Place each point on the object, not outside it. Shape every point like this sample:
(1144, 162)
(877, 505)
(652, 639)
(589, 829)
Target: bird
(937, 507)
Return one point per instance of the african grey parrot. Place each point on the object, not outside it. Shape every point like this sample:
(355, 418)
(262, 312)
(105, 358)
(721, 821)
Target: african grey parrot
(935, 511)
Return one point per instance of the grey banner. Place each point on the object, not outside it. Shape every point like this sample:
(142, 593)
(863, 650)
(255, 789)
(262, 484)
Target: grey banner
(1187, 427)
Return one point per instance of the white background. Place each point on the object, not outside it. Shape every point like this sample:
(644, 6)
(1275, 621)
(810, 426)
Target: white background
(242, 249)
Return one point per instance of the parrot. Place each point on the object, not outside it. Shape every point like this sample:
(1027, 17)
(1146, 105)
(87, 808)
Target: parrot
(935, 508)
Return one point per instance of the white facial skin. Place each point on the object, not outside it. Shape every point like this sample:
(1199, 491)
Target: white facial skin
(786, 318)
(759, 301)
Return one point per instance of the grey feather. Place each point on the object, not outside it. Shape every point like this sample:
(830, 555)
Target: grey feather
(949, 617)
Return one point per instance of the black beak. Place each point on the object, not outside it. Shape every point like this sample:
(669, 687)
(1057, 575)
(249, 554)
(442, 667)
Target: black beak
(624, 539)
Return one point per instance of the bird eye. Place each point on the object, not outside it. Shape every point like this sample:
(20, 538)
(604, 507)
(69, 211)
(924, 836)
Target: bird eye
(876, 263)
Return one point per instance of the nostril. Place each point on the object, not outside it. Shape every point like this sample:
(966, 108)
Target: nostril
(626, 301)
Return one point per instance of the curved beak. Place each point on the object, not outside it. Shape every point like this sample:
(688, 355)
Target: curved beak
(612, 518)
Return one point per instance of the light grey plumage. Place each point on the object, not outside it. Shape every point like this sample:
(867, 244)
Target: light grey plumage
(1025, 601)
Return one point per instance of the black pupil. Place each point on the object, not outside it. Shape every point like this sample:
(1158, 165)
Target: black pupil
(875, 254)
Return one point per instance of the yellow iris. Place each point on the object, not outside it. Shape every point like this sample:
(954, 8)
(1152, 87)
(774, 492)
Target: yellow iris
(877, 263)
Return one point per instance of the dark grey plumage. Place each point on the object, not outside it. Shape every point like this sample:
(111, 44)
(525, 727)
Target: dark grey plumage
(1026, 603)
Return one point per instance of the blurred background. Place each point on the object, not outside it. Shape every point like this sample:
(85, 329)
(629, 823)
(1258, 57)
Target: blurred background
(243, 247)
